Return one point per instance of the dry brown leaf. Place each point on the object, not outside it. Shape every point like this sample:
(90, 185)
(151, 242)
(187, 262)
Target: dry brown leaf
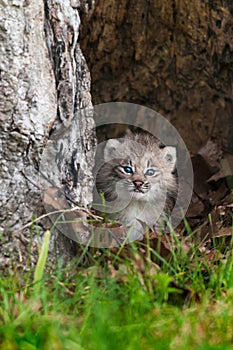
(226, 168)
(212, 153)
(224, 232)
(213, 255)
(71, 224)
(196, 208)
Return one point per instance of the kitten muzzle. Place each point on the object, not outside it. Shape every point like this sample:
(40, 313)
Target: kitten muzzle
(138, 186)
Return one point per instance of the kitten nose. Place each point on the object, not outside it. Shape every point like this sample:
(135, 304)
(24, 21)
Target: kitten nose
(137, 183)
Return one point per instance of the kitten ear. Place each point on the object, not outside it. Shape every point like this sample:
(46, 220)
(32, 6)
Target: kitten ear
(128, 132)
(110, 147)
(169, 154)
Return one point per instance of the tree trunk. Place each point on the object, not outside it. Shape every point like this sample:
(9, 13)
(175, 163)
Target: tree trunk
(174, 56)
(45, 86)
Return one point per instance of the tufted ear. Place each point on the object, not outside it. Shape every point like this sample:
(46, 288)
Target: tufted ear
(169, 154)
(110, 148)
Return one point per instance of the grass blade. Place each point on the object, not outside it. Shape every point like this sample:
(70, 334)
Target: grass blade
(39, 270)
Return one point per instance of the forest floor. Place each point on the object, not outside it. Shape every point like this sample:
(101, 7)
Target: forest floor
(166, 292)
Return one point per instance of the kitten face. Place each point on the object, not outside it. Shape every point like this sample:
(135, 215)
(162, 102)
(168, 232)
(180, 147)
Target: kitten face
(135, 170)
(136, 177)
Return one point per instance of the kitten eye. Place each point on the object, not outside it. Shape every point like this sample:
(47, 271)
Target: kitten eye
(128, 170)
(150, 172)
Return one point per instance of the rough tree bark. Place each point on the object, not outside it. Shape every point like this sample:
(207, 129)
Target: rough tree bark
(175, 56)
(45, 84)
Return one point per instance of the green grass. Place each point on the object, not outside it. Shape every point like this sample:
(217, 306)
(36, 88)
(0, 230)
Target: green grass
(127, 301)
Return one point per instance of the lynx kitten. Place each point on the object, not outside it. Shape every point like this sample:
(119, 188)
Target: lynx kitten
(138, 181)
